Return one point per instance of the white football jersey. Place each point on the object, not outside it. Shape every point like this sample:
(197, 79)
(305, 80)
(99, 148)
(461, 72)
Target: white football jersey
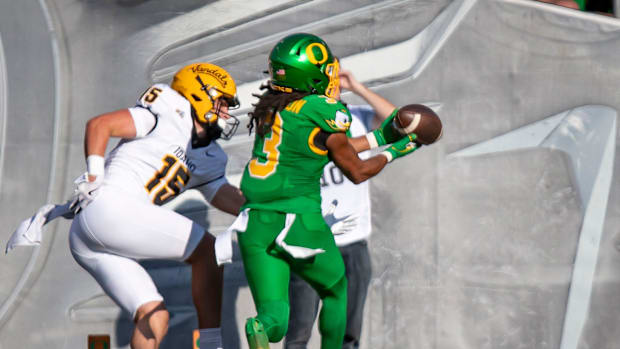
(352, 199)
(160, 162)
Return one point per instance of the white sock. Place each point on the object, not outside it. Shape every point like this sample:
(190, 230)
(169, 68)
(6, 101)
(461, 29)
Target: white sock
(211, 338)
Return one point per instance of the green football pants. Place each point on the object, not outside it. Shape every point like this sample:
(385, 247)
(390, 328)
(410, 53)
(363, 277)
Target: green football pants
(268, 266)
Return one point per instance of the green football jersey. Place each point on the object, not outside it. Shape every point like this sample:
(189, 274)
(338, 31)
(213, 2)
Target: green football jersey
(286, 166)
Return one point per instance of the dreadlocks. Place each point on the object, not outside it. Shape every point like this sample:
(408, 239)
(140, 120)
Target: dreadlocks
(270, 102)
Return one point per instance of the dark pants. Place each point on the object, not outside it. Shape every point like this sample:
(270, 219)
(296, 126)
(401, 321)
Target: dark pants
(304, 300)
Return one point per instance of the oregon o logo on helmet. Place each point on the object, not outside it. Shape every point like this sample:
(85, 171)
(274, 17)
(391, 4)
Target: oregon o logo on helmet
(311, 56)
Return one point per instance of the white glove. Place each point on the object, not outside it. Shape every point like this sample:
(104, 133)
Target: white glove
(342, 225)
(84, 192)
(345, 225)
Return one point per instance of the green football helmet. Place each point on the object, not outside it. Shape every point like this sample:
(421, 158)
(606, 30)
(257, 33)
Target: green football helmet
(303, 62)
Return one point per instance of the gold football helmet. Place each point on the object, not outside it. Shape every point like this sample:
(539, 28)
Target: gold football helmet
(202, 84)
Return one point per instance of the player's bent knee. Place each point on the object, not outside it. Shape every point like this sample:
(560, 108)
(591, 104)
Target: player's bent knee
(274, 316)
(149, 309)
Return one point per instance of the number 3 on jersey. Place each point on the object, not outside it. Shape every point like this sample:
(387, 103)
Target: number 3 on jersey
(259, 169)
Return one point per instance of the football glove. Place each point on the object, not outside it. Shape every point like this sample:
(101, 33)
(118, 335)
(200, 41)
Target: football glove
(342, 225)
(84, 192)
(400, 148)
(385, 134)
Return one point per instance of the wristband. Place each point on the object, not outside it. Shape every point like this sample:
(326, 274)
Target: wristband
(95, 165)
(372, 140)
(388, 155)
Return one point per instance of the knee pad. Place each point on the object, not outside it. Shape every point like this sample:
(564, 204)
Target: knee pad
(274, 317)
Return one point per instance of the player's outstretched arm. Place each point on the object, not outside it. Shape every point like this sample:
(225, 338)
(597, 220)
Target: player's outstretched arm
(344, 155)
(98, 131)
(357, 170)
(100, 128)
(383, 108)
(228, 199)
(382, 135)
(359, 144)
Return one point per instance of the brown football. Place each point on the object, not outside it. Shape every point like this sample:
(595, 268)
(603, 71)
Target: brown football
(421, 120)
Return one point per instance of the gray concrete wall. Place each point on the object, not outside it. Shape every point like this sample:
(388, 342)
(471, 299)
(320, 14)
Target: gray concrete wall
(502, 235)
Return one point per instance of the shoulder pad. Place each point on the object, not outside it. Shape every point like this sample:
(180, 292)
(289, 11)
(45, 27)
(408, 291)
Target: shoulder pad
(161, 99)
(330, 114)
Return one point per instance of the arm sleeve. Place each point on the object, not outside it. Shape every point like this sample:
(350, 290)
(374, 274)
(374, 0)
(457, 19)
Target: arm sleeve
(143, 120)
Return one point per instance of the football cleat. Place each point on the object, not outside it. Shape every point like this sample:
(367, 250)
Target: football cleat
(255, 334)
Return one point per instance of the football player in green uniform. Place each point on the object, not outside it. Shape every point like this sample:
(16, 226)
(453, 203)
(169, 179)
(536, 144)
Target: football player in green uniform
(300, 126)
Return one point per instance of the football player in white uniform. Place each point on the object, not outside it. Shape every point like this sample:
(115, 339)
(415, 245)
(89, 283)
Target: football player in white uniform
(167, 147)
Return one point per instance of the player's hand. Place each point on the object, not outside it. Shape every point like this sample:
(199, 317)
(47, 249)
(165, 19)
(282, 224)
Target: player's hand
(85, 191)
(386, 133)
(349, 82)
(342, 225)
(402, 147)
(345, 225)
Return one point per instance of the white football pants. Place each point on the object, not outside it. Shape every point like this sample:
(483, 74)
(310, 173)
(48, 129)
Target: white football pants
(115, 230)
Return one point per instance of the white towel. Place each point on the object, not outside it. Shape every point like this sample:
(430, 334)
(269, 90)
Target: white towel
(223, 241)
(30, 231)
(298, 252)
